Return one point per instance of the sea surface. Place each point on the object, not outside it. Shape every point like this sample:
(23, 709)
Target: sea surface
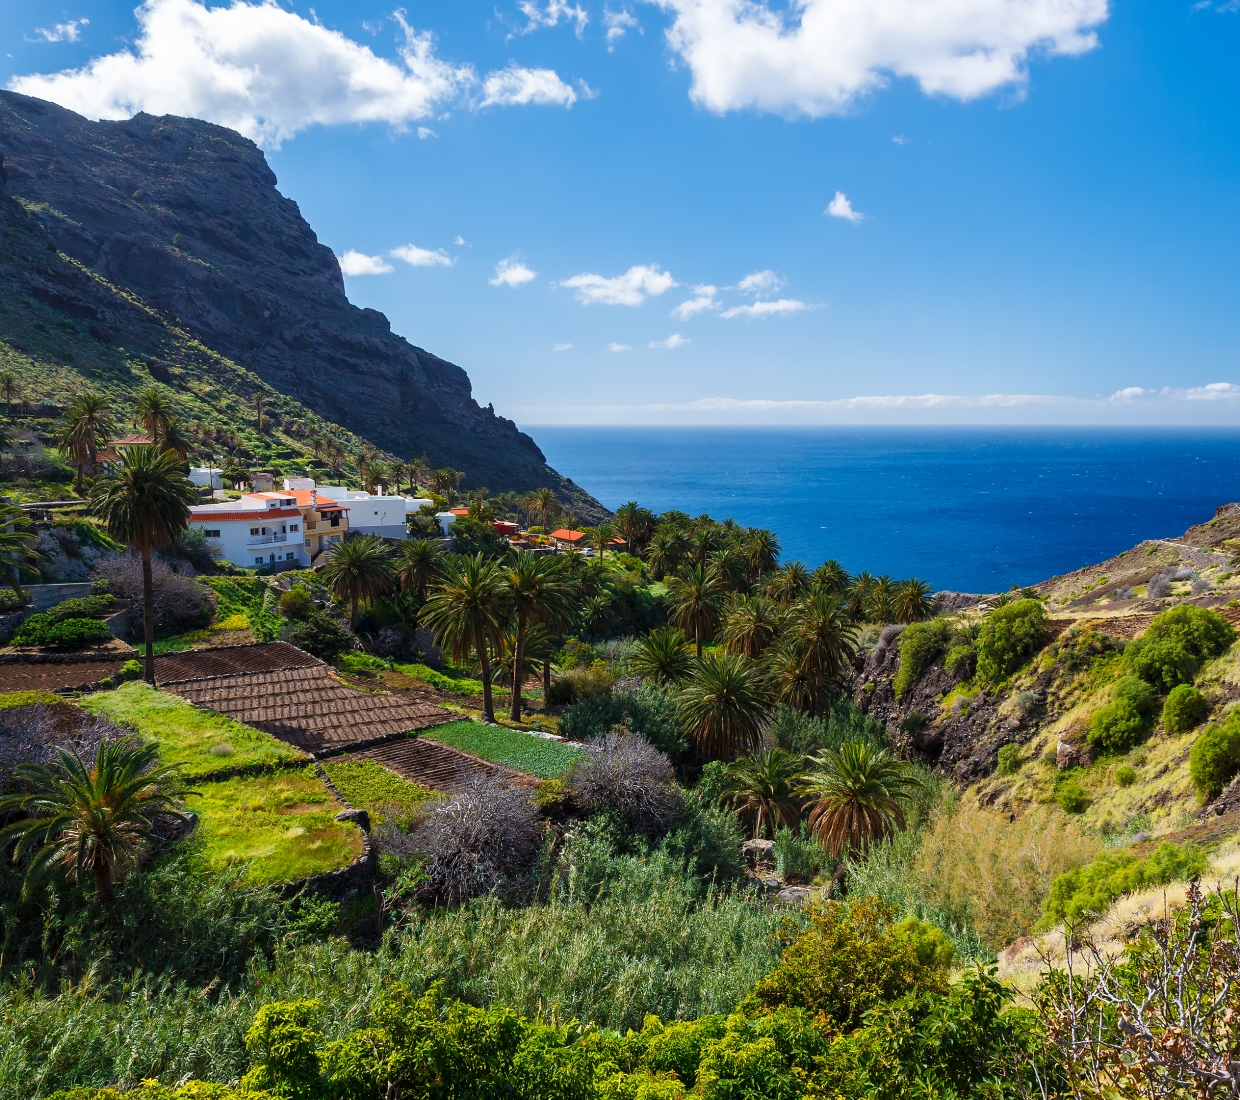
(970, 509)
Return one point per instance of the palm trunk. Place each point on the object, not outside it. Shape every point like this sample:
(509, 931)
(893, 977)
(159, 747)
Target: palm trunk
(518, 664)
(817, 696)
(488, 708)
(148, 615)
(697, 636)
(353, 612)
(547, 677)
(79, 479)
(103, 883)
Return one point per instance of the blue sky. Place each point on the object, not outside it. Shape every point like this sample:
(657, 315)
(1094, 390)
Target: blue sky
(983, 211)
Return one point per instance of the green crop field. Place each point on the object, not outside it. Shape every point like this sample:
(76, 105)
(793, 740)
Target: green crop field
(368, 785)
(526, 753)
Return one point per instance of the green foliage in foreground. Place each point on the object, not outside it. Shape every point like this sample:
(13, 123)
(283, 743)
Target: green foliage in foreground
(1009, 636)
(522, 751)
(455, 685)
(46, 630)
(245, 596)
(367, 785)
(28, 699)
(1215, 756)
(1127, 719)
(920, 644)
(200, 742)
(1085, 892)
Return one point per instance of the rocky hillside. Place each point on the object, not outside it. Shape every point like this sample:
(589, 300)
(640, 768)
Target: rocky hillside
(164, 240)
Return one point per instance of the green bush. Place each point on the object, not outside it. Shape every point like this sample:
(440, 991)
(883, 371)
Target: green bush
(363, 664)
(1125, 775)
(1089, 890)
(1071, 797)
(296, 603)
(961, 660)
(1215, 756)
(798, 856)
(797, 732)
(1127, 719)
(43, 630)
(321, 636)
(86, 607)
(1185, 709)
(649, 711)
(130, 670)
(1176, 644)
(1009, 636)
(920, 644)
(1009, 760)
(11, 600)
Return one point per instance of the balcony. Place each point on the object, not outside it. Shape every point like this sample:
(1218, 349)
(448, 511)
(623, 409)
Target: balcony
(267, 540)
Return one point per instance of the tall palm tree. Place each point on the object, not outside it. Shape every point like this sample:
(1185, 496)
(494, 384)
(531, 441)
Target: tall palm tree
(600, 536)
(762, 549)
(858, 795)
(151, 412)
(259, 401)
(145, 503)
(359, 569)
(667, 550)
(750, 625)
(859, 596)
(418, 563)
(17, 555)
(675, 518)
(791, 680)
(729, 566)
(723, 705)
(176, 438)
(703, 541)
(761, 789)
(630, 520)
(882, 600)
(831, 576)
(596, 615)
(537, 591)
(401, 473)
(694, 598)
(787, 584)
(333, 456)
(912, 601)
(10, 387)
(663, 656)
(467, 614)
(86, 819)
(543, 503)
(87, 420)
(826, 640)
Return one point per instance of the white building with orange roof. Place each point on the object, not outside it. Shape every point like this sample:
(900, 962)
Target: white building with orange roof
(289, 528)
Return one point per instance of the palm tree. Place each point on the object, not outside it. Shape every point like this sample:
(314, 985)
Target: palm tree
(177, 439)
(912, 601)
(543, 503)
(882, 600)
(259, 401)
(17, 556)
(87, 420)
(663, 656)
(145, 503)
(10, 388)
(400, 473)
(858, 795)
(832, 576)
(760, 787)
(674, 518)
(762, 549)
(723, 705)
(667, 550)
(859, 596)
(151, 412)
(596, 616)
(418, 563)
(694, 600)
(826, 641)
(791, 679)
(750, 625)
(359, 569)
(467, 614)
(600, 536)
(729, 566)
(703, 541)
(629, 523)
(90, 819)
(537, 591)
(333, 456)
(787, 584)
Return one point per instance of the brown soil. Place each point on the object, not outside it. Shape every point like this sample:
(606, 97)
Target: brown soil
(439, 767)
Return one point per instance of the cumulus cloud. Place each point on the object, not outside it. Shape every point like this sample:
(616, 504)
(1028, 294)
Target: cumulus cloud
(766, 309)
(422, 257)
(760, 282)
(619, 347)
(702, 300)
(270, 74)
(518, 87)
(63, 32)
(551, 15)
(819, 56)
(512, 272)
(425, 132)
(462, 242)
(840, 207)
(358, 263)
(672, 342)
(1214, 391)
(629, 289)
(560, 347)
(618, 24)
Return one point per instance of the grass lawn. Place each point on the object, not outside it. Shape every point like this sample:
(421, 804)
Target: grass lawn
(200, 741)
(368, 785)
(281, 825)
(444, 681)
(243, 598)
(522, 751)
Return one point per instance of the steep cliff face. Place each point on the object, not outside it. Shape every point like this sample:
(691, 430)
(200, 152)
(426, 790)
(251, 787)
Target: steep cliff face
(186, 215)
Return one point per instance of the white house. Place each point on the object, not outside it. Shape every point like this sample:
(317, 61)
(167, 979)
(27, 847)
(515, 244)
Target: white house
(369, 513)
(260, 529)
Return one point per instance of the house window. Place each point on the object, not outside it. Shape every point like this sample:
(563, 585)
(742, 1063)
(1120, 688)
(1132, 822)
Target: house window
(255, 531)
(335, 521)
(258, 560)
(289, 556)
(307, 544)
(211, 534)
(293, 527)
(272, 558)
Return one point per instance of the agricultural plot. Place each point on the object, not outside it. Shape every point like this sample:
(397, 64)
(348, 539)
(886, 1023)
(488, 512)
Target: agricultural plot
(520, 751)
(430, 764)
(382, 793)
(231, 660)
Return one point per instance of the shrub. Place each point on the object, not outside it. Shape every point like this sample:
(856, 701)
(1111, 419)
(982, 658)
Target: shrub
(592, 681)
(1089, 890)
(561, 692)
(86, 607)
(920, 644)
(914, 723)
(649, 711)
(1215, 756)
(1176, 644)
(1071, 797)
(321, 636)
(180, 602)
(130, 670)
(11, 601)
(296, 603)
(961, 661)
(798, 856)
(1125, 775)
(1127, 719)
(797, 732)
(43, 630)
(1009, 759)
(1008, 638)
(626, 776)
(1185, 709)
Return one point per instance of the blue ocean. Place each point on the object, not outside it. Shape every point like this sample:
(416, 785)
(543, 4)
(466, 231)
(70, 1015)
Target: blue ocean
(973, 509)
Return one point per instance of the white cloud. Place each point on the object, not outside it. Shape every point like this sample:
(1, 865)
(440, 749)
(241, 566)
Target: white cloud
(270, 74)
(619, 347)
(551, 15)
(63, 32)
(1214, 391)
(629, 289)
(358, 263)
(462, 242)
(899, 139)
(560, 347)
(618, 23)
(672, 342)
(422, 257)
(703, 299)
(512, 272)
(821, 55)
(517, 87)
(425, 132)
(760, 282)
(766, 309)
(840, 207)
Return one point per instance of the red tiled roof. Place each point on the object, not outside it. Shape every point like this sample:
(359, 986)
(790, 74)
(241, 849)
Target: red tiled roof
(131, 441)
(207, 513)
(302, 496)
(568, 536)
(458, 511)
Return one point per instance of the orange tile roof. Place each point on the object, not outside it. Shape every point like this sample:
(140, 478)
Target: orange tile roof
(458, 511)
(302, 496)
(568, 536)
(131, 441)
(206, 513)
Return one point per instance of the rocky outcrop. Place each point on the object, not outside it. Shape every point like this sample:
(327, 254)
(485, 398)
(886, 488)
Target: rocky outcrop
(186, 215)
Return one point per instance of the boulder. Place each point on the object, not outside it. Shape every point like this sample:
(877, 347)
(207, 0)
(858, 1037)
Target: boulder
(360, 818)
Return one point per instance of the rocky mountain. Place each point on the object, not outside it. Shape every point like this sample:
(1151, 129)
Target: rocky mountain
(180, 220)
